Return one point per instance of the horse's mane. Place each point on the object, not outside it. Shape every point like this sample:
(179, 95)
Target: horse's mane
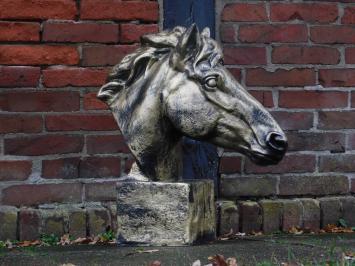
(154, 46)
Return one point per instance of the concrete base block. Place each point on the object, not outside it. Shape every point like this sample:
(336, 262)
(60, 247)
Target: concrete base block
(173, 214)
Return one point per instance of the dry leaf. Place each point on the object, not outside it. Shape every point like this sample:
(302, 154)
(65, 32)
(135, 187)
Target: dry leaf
(332, 228)
(218, 260)
(155, 263)
(295, 230)
(232, 262)
(64, 240)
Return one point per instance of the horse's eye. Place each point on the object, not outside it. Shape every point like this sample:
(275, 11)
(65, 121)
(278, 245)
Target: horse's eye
(211, 82)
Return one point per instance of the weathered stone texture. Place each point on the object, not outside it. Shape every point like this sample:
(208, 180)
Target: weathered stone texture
(292, 214)
(158, 213)
(330, 211)
(251, 218)
(228, 217)
(311, 214)
(248, 186)
(8, 223)
(98, 220)
(29, 224)
(272, 213)
(348, 210)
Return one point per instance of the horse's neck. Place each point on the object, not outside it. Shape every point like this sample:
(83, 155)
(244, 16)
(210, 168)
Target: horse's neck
(151, 138)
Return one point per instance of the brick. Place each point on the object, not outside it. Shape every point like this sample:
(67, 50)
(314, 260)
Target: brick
(305, 55)
(228, 217)
(351, 142)
(77, 223)
(40, 101)
(230, 165)
(350, 55)
(35, 194)
(296, 77)
(292, 33)
(244, 55)
(313, 13)
(313, 185)
(128, 165)
(131, 33)
(106, 144)
(293, 120)
(19, 31)
(112, 209)
(333, 34)
(236, 72)
(8, 223)
(43, 145)
(15, 170)
(348, 210)
(272, 214)
(53, 222)
(337, 77)
(311, 214)
(264, 97)
(38, 55)
(337, 163)
(80, 122)
(228, 33)
(19, 76)
(98, 220)
(20, 123)
(248, 186)
(244, 12)
(291, 163)
(65, 168)
(99, 167)
(29, 224)
(349, 15)
(92, 103)
(80, 32)
(292, 214)
(81, 77)
(103, 55)
(100, 192)
(251, 219)
(38, 9)
(336, 120)
(313, 99)
(314, 141)
(330, 211)
(119, 10)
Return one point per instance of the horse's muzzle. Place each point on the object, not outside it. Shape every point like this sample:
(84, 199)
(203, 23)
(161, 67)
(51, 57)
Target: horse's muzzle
(277, 143)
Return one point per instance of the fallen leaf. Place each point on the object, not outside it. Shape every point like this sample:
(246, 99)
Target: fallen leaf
(155, 263)
(232, 262)
(295, 230)
(218, 260)
(64, 240)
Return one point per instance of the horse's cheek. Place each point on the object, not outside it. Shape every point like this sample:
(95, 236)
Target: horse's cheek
(191, 117)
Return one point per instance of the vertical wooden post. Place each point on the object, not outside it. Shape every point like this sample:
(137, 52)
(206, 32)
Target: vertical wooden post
(200, 159)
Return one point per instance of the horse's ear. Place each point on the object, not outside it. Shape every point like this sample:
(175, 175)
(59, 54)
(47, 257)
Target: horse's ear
(189, 41)
(187, 47)
(206, 32)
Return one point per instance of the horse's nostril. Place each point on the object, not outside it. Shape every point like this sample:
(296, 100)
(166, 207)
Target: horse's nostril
(277, 141)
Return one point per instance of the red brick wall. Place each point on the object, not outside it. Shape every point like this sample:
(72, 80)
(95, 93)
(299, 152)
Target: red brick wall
(59, 144)
(56, 139)
(298, 59)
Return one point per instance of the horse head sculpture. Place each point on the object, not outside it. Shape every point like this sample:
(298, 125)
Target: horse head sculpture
(176, 85)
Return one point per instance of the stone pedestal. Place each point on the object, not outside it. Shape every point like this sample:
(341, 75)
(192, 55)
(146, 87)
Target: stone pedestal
(173, 214)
